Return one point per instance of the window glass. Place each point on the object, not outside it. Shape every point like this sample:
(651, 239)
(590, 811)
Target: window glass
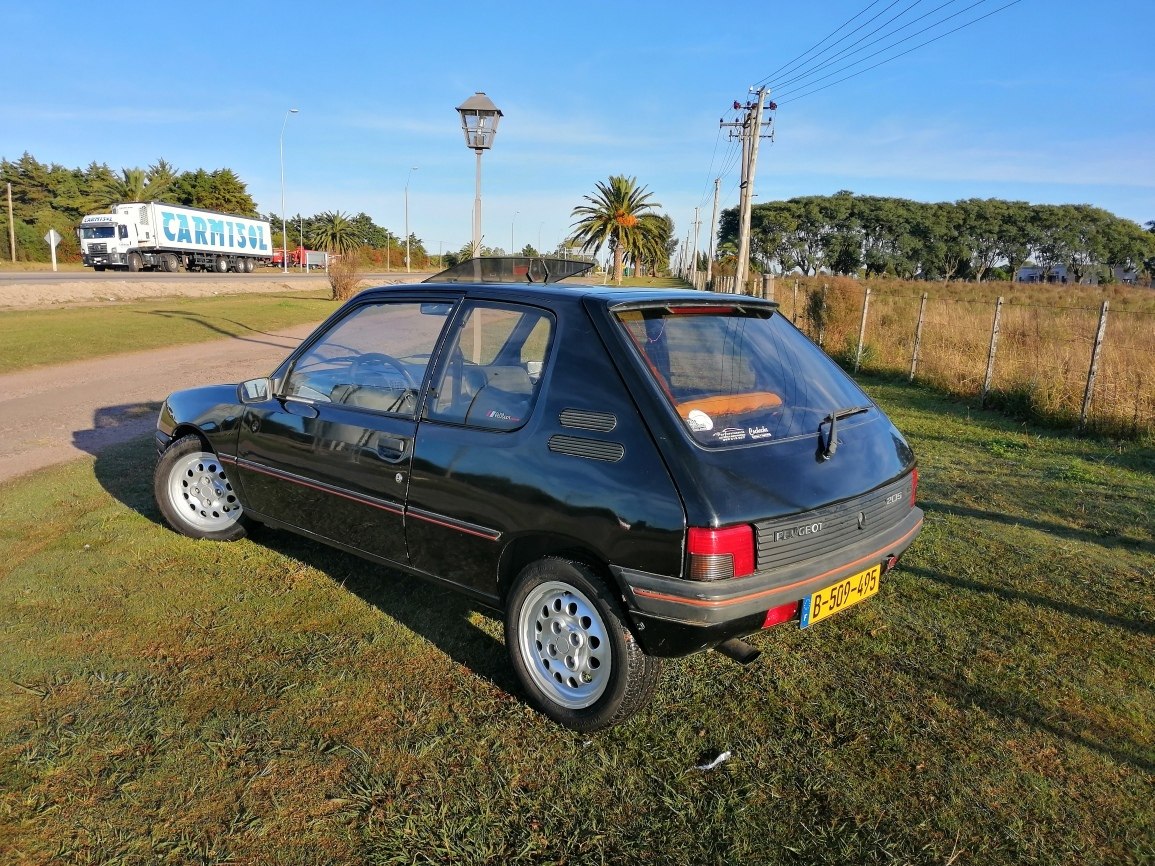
(374, 358)
(737, 376)
(493, 366)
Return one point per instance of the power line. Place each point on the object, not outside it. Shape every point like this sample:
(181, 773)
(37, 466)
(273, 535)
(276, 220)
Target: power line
(846, 52)
(855, 30)
(901, 54)
(880, 51)
(811, 48)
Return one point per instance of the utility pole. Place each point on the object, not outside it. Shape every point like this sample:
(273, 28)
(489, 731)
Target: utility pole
(713, 235)
(11, 227)
(694, 250)
(751, 135)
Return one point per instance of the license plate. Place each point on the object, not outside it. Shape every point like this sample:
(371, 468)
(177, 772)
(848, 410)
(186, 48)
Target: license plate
(829, 601)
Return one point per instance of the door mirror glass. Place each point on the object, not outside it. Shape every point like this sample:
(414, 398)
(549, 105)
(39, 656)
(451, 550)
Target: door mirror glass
(255, 390)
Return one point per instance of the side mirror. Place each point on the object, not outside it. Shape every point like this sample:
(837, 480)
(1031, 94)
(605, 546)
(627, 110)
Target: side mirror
(255, 390)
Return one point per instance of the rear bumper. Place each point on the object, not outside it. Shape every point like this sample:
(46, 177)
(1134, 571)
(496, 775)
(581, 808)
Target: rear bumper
(676, 616)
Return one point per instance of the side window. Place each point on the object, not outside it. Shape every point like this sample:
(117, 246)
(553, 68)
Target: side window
(492, 367)
(374, 358)
(123, 232)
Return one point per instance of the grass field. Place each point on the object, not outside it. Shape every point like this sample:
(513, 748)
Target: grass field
(1044, 348)
(31, 338)
(170, 701)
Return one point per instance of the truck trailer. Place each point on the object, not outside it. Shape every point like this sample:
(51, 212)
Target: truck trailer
(141, 236)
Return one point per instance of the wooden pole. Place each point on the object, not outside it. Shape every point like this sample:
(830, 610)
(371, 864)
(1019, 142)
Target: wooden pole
(1090, 390)
(11, 226)
(991, 352)
(862, 331)
(918, 336)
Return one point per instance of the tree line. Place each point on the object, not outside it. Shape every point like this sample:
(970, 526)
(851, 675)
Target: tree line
(973, 239)
(52, 196)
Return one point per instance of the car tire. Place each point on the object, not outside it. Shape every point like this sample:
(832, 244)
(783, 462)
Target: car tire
(194, 493)
(573, 655)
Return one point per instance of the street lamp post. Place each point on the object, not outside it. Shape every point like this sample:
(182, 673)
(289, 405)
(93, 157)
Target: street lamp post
(512, 245)
(479, 119)
(410, 175)
(284, 225)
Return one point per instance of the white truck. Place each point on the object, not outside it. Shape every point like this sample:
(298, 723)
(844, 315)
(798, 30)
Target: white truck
(156, 236)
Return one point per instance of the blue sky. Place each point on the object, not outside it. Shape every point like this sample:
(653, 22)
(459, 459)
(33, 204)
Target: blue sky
(1047, 101)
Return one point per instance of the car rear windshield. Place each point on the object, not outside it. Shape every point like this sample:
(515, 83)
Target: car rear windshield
(739, 375)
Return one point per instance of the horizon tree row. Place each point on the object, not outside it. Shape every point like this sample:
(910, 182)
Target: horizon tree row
(975, 239)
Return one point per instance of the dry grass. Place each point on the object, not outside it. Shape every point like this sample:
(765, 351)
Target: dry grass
(1044, 347)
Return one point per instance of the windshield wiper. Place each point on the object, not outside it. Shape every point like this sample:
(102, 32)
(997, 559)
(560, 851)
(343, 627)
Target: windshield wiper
(825, 452)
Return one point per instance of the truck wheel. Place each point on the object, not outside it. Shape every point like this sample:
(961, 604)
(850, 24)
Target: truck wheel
(221, 265)
(577, 661)
(98, 267)
(248, 263)
(194, 494)
(169, 263)
(134, 262)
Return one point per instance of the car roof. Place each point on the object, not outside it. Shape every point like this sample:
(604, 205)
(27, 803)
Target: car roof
(610, 296)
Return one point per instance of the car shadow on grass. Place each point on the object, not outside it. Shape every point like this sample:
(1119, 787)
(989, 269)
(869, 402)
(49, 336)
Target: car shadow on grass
(1136, 626)
(948, 509)
(440, 615)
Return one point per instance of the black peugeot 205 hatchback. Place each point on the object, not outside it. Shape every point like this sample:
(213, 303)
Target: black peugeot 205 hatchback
(624, 474)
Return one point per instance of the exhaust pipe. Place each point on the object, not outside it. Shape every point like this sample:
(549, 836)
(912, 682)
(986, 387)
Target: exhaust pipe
(737, 649)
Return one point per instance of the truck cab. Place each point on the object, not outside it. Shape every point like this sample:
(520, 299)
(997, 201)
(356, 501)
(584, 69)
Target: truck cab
(105, 240)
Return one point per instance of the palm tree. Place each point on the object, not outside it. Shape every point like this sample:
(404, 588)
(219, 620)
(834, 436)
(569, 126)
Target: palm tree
(334, 232)
(616, 214)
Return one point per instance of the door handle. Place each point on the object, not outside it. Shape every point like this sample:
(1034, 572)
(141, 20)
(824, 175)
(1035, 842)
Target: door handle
(392, 449)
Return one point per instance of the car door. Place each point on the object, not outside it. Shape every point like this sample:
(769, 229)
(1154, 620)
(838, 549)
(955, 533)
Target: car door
(330, 454)
(474, 473)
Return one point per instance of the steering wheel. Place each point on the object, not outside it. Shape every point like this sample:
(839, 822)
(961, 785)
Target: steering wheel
(371, 359)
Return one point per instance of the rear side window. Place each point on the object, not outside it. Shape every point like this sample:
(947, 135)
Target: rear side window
(492, 366)
(739, 375)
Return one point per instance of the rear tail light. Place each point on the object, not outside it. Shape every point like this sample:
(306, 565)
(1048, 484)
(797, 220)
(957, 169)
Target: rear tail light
(913, 486)
(719, 554)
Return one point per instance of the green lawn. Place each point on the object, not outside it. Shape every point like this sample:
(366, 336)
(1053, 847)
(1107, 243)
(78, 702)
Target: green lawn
(170, 701)
(31, 338)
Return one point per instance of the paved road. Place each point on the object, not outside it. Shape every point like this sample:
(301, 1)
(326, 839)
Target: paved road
(147, 276)
(54, 414)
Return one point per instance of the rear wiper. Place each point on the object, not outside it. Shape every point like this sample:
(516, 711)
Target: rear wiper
(825, 452)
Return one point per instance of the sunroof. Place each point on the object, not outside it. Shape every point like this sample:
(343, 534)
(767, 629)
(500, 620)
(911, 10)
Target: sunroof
(512, 269)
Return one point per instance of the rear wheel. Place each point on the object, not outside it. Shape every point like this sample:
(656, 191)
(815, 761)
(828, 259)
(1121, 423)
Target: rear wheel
(577, 661)
(169, 263)
(247, 265)
(194, 493)
(221, 265)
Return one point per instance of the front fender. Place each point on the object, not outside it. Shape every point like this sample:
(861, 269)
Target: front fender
(213, 412)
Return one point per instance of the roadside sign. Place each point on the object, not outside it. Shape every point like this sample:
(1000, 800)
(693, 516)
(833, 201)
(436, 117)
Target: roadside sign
(52, 239)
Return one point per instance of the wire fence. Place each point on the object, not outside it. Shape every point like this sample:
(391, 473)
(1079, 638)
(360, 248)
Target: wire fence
(1078, 357)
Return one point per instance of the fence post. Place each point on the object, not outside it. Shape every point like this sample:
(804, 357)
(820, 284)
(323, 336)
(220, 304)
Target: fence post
(918, 336)
(768, 286)
(795, 319)
(822, 318)
(862, 330)
(1087, 394)
(991, 353)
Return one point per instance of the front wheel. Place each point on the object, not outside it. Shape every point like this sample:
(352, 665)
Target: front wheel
(577, 661)
(194, 494)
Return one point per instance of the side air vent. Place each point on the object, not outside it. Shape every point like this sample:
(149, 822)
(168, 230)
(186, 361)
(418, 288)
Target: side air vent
(576, 446)
(582, 419)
